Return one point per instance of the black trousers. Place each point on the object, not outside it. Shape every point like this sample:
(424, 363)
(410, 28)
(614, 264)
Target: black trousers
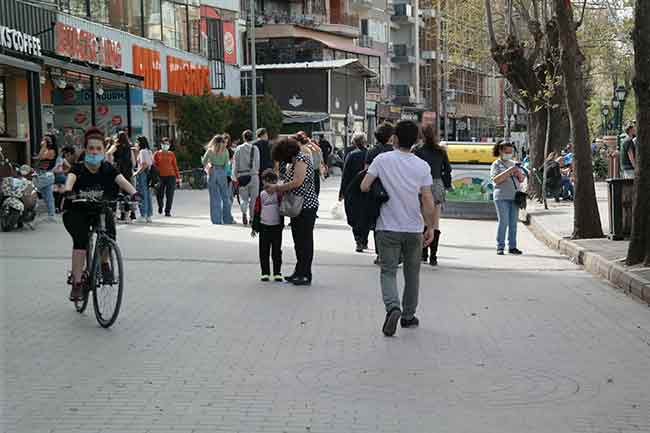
(271, 244)
(166, 190)
(78, 221)
(302, 230)
(361, 234)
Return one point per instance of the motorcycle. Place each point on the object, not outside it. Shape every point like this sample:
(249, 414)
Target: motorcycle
(18, 198)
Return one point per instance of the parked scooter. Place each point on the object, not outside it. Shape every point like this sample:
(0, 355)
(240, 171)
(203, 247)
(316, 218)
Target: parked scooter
(18, 199)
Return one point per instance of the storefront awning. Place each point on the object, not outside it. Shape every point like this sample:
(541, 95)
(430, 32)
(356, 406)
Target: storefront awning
(274, 31)
(352, 64)
(19, 63)
(81, 68)
(303, 117)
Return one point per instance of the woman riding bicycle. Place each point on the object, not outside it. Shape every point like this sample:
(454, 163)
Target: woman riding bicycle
(92, 179)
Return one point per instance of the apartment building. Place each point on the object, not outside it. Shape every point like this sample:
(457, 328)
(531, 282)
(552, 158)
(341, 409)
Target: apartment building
(327, 33)
(115, 64)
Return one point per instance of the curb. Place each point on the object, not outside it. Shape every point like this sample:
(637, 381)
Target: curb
(613, 272)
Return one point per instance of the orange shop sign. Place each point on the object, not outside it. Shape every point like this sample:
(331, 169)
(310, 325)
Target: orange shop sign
(146, 63)
(186, 78)
(86, 46)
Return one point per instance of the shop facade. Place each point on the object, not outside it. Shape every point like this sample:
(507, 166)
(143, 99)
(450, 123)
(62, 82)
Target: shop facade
(23, 42)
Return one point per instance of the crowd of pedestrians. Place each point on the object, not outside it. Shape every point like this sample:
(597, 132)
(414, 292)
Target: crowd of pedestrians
(396, 189)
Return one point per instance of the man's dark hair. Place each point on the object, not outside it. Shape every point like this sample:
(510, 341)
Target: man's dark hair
(247, 135)
(68, 150)
(285, 150)
(407, 132)
(630, 126)
(261, 131)
(269, 176)
(384, 132)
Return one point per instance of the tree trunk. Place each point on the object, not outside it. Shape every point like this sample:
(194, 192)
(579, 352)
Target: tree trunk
(586, 218)
(639, 249)
(536, 137)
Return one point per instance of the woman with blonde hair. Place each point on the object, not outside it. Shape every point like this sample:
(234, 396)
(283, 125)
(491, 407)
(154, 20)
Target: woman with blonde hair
(216, 161)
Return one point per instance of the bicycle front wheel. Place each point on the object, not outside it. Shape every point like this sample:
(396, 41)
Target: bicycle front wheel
(108, 284)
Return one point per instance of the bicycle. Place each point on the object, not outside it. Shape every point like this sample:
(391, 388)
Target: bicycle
(102, 250)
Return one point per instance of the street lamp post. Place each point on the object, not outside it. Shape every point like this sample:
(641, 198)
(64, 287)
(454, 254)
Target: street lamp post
(253, 69)
(618, 103)
(605, 113)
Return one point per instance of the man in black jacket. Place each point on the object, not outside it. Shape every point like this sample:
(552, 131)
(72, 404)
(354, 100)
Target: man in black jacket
(355, 163)
(263, 145)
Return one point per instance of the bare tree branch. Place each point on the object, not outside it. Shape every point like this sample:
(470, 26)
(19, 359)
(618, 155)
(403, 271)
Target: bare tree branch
(490, 25)
(582, 15)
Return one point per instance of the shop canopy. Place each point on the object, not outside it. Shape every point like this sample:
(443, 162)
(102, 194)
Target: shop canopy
(353, 65)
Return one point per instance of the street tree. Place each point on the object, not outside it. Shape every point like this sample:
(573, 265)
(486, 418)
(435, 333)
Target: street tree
(586, 218)
(524, 44)
(639, 248)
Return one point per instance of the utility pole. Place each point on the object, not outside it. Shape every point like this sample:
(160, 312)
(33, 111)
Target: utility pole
(253, 70)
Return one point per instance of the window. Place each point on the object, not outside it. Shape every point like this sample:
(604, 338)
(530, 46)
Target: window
(74, 7)
(194, 17)
(174, 24)
(246, 89)
(152, 19)
(215, 53)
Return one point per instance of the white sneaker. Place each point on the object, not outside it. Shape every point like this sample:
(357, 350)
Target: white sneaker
(149, 220)
(140, 220)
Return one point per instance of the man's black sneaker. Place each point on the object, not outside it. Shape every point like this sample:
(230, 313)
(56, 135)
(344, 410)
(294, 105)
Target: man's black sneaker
(301, 281)
(359, 248)
(290, 278)
(160, 210)
(499, 252)
(244, 219)
(167, 214)
(390, 324)
(515, 252)
(409, 323)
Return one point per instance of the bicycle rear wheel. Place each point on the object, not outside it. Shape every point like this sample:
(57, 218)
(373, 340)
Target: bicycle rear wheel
(108, 282)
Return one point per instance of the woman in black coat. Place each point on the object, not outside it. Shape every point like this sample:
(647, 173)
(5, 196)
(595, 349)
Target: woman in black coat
(355, 163)
(436, 156)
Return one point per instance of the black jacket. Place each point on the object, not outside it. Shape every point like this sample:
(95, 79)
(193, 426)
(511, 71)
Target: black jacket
(265, 154)
(354, 163)
(438, 161)
(362, 208)
(377, 149)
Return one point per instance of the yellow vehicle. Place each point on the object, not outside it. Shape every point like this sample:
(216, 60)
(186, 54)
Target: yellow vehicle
(467, 152)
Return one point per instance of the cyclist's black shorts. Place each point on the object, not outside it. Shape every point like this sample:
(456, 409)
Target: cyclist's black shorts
(78, 222)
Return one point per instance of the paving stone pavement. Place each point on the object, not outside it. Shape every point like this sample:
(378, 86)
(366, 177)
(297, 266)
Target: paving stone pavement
(507, 344)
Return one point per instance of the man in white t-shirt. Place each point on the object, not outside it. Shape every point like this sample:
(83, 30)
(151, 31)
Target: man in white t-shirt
(407, 181)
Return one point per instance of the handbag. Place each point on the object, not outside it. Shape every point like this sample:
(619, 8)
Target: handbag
(246, 179)
(521, 198)
(291, 205)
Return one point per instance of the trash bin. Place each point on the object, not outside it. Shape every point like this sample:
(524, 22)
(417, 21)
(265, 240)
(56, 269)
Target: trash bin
(620, 200)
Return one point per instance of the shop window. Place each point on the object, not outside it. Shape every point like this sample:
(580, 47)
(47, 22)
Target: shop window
(3, 108)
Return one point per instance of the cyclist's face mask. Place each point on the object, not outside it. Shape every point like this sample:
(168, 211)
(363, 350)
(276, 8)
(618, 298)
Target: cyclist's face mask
(94, 152)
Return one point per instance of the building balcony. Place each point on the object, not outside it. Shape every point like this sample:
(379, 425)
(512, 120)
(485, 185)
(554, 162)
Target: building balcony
(402, 94)
(403, 14)
(343, 24)
(402, 54)
(365, 41)
(360, 5)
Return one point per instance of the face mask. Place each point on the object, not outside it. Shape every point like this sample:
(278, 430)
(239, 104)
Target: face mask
(94, 159)
(507, 156)
(165, 147)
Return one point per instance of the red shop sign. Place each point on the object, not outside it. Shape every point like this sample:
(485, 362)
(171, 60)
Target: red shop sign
(84, 45)
(186, 78)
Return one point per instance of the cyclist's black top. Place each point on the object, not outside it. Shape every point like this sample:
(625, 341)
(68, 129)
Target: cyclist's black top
(95, 186)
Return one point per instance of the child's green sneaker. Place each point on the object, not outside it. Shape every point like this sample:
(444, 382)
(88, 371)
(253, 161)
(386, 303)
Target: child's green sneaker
(265, 278)
(278, 277)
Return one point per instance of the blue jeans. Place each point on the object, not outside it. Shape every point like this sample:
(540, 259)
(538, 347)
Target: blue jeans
(48, 196)
(507, 213)
(220, 198)
(142, 185)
